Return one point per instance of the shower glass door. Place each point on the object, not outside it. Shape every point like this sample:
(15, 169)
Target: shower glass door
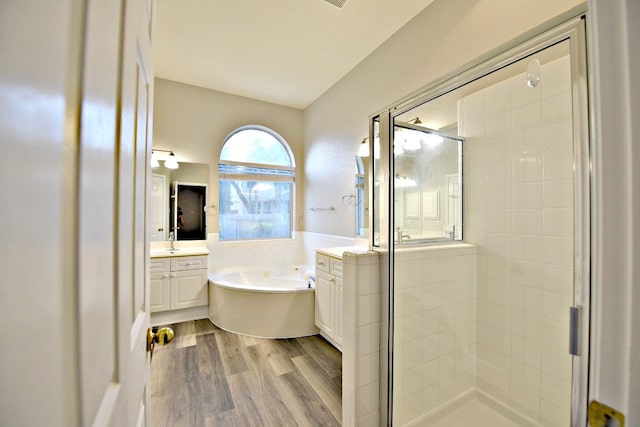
(479, 324)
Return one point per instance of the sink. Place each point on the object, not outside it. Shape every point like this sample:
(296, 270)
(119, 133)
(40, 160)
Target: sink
(185, 251)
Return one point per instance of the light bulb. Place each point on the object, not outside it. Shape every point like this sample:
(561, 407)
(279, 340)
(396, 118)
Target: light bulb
(364, 149)
(171, 162)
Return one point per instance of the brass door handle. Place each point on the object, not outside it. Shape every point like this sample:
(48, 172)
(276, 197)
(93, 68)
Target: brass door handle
(160, 336)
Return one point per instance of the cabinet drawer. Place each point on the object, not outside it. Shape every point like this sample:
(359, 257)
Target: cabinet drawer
(335, 267)
(159, 264)
(322, 262)
(188, 263)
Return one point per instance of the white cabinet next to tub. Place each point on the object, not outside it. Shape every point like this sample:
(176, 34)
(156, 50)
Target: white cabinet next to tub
(178, 282)
(329, 298)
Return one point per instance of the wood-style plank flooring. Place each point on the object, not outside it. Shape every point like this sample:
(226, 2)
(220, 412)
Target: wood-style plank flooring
(210, 377)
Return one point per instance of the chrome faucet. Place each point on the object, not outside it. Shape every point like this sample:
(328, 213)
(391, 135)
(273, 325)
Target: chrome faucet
(402, 236)
(171, 241)
(451, 233)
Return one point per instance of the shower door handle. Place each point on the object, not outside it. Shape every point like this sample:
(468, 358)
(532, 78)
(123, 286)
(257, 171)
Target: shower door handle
(574, 331)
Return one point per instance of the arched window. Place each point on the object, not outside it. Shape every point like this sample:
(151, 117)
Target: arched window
(257, 173)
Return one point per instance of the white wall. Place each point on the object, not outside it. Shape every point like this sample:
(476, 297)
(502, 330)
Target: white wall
(194, 122)
(445, 36)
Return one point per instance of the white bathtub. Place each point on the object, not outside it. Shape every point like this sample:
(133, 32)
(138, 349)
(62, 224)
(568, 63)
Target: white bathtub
(273, 302)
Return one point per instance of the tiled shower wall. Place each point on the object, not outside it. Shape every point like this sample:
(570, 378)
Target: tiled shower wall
(434, 328)
(518, 211)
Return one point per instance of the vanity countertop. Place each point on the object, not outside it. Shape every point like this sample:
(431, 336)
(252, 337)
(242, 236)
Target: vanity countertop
(338, 251)
(189, 251)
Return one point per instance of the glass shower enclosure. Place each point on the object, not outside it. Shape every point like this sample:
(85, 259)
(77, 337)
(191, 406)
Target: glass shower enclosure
(481, 214)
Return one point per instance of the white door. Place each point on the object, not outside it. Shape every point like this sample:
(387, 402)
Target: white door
(159, 216)
(113, 252)
(75, 108)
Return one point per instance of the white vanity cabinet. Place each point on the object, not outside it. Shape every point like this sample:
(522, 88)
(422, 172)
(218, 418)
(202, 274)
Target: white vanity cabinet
(328, 303)
(178, 282)
(160, 284)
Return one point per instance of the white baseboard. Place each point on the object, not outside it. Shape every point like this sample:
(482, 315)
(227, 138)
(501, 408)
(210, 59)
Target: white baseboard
(331, 340)
(176, 316)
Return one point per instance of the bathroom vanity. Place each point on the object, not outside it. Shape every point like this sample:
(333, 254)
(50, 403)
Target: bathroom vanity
(329, 295)
(178, 285)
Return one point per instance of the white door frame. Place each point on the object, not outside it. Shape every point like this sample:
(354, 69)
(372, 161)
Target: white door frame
(614, 42)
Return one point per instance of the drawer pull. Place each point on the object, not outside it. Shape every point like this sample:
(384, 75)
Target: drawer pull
(321, 263)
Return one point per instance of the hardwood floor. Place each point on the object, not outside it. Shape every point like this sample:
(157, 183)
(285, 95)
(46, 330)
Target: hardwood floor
(210, 377)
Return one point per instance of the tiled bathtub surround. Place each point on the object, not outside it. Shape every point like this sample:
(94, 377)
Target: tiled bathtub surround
(434, 328)
(298, 250)
(519, 212)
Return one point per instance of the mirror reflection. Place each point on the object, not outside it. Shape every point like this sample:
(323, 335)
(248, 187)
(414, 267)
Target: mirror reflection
(361, 202)
(427, 176)
(178, 202)
(427, 170)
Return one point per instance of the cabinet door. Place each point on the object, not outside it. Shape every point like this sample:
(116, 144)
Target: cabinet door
(337, 314)
(188, 288)
(324, 302)
(159, 299)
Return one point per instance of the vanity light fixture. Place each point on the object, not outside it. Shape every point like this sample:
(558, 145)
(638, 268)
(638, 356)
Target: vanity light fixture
(409, 139)
(154, 160)
(402, 181)
(412, 144)
(432, 139)
(170, 161)
(363, 151)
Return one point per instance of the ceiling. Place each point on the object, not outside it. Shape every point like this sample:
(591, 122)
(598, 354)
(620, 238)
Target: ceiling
(287, 52)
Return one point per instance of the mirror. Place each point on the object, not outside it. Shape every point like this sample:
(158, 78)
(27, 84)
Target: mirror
(427, 177)
(360, 196)
(178, 202)
(378, 175)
